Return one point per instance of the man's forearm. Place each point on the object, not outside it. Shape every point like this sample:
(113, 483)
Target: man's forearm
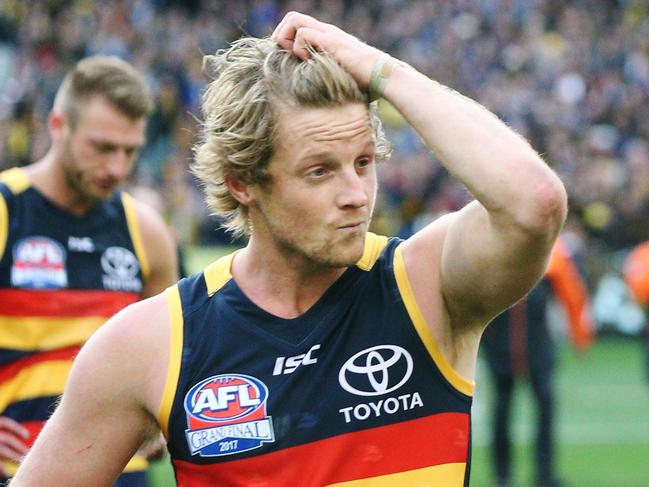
(496, 164)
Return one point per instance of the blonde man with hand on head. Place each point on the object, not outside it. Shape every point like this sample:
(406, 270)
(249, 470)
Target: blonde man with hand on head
(320, 353)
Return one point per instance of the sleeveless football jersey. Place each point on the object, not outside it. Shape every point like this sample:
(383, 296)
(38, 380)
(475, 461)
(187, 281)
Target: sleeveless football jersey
(354, 392)
(61, 277)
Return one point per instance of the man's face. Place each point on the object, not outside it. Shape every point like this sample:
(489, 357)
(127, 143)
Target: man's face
(319, 201)
(100, 151)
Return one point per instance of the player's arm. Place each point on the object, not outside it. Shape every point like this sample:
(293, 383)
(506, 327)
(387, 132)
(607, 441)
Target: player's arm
(108, 405)
(159, 248)
(495, 249)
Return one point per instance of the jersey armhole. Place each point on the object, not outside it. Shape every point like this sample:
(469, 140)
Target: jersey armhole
(176, 322)
(134, 230)
(463, 385)
(16, 181)
(4, 225)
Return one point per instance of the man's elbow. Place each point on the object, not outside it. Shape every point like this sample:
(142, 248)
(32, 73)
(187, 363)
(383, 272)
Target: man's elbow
(546, 208)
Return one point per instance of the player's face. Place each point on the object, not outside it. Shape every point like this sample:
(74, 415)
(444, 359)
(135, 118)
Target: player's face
(320, 199)
(100, 151)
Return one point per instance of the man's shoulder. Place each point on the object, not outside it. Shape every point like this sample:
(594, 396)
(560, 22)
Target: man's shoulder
(138, 322)
(14, 181)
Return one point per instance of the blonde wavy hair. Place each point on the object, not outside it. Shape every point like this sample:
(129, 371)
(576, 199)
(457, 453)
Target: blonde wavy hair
(251, 81)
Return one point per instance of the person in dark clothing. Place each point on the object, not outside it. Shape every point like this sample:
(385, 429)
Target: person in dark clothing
(518, 344)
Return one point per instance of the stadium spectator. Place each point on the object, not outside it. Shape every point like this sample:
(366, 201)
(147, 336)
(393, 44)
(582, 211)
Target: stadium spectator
(636, 275)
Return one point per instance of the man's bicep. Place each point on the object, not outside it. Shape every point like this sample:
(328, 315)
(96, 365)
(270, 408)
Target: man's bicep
(97, 426)
(486, 266)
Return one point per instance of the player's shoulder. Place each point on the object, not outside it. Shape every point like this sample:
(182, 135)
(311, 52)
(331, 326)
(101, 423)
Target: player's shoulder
(133, 345)
(147, 211)
(138, 333)
(150, 223)
(143, 318)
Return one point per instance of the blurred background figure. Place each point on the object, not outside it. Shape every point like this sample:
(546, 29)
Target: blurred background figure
(636, 275)
(74, 249)
(519, 345)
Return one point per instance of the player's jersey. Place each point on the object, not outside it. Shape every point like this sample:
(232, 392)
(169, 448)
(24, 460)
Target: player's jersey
(353, 392)
(61, 277)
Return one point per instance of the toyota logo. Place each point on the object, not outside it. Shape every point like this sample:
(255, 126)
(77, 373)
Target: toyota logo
(376, 371)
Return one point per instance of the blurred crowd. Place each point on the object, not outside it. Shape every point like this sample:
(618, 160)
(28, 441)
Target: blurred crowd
(571, 76)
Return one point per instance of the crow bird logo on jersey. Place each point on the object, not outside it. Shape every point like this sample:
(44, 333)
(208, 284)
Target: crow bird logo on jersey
(121, 267)
(226, 414)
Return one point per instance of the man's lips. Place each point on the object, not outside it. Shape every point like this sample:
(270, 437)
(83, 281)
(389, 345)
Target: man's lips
(351, 226)
(106, 184)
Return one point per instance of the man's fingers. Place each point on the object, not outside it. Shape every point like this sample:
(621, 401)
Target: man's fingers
(12, 448)
(291, 23)
(286, 44)
(14, 427)
(305, 37)
(12, 434)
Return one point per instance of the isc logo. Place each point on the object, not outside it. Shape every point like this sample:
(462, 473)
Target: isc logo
(287, 365)
(225, 397)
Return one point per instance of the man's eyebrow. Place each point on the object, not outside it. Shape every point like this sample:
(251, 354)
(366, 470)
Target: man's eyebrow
(108, 143)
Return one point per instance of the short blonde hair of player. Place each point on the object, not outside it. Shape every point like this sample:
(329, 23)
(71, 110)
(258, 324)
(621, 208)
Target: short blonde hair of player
(252, 80)
(107, 76)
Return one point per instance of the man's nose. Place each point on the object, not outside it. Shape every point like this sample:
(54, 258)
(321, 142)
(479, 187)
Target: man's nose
(352, 191)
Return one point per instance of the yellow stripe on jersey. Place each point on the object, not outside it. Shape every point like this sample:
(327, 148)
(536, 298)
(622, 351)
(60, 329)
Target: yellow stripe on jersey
(175, 356)
(10, 467)
(4, 225)
(38, 380)
(374, 245)
(15, 179)
(218, 273)
(27, 333)
(136, 464)
(136, 234)
(447, 475)
(460, 383)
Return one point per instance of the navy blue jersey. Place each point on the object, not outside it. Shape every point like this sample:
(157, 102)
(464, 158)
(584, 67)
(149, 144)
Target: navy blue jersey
(61, 277)
(355, 389)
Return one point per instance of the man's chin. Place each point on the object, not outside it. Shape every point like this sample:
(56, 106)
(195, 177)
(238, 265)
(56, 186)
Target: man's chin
(351, 252)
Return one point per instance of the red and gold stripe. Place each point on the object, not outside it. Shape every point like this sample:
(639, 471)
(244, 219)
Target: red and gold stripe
(36, 320)
(403, 454)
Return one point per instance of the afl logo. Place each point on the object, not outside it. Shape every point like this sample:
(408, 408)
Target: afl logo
(225, 398)
(226, 414)
(376, 371)
(39, 262)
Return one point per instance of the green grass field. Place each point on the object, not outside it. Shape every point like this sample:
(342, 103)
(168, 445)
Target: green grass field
(603, 418)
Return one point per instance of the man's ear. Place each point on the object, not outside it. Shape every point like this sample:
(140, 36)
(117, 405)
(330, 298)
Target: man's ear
(57, 124)
(241, 192)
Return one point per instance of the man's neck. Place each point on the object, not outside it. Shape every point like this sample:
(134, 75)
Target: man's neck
(46, 176)
(282, 285)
